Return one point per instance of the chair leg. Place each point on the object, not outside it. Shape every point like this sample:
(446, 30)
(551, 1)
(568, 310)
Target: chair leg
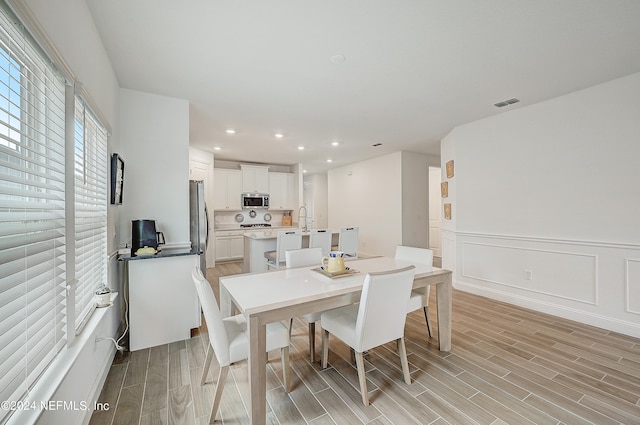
(207, 365)
(312, 342)
(286, 376)
(402, 352)
(426, 316)
(222, 379)
(325, 348)
(362, 378)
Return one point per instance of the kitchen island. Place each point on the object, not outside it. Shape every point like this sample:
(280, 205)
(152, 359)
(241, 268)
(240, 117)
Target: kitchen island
(256, 243)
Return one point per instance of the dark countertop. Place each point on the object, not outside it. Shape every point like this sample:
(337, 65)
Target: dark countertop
(164, 253)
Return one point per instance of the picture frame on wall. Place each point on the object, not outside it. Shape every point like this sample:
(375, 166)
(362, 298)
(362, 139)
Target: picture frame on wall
(444, 189)
(449, 167)
(117, 179)
(447, 211)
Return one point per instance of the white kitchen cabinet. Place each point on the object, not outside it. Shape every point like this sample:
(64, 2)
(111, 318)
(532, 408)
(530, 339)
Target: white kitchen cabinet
(229, 244)
(255, 178)
(227, 190)
(281, 191)
(163, 304)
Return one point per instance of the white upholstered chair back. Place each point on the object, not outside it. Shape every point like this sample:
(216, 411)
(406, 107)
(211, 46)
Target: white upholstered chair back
(303, 257)
(415, 255)
(382, 313)
(286, 240)
(320, 238)
(419, 297)
(212, 316)
(348, 241)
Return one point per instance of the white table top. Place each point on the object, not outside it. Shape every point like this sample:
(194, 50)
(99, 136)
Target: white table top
(253, 293)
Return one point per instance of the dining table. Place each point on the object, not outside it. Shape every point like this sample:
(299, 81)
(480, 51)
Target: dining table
(285, 293)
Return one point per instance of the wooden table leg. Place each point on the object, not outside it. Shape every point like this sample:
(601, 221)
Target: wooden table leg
(444, 296)
(257, 371)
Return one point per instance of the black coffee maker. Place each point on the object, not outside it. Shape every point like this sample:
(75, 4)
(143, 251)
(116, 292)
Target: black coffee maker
(144, 234)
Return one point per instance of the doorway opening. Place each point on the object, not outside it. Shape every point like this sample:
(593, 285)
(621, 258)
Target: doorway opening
(435, 215)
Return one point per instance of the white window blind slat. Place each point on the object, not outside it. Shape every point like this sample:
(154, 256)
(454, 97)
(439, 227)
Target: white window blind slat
(32, 211)
(90, 211)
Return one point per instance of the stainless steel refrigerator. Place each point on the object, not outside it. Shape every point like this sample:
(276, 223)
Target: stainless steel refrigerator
(199, 218)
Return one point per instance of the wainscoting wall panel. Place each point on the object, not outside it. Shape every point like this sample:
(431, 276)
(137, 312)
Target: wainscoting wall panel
(593, 282)
(569, 275)
(632, 285)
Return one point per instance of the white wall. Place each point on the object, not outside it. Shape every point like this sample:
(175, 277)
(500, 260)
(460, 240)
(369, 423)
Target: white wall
(552, 189)
(415, 200)
(316, 197)
(368, 194)
(154, 133)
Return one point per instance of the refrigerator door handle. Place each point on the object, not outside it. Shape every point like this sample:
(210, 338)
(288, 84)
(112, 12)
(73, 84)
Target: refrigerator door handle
(206, 217)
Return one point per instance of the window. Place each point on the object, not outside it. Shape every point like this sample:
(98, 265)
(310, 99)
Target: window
(46, 215)
(90, 176)
(32, 216)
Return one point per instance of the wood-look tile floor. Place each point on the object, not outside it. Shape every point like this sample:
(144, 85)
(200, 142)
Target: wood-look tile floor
(507, 365)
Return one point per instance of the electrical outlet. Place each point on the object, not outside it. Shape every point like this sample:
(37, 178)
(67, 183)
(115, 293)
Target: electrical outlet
(528, 275)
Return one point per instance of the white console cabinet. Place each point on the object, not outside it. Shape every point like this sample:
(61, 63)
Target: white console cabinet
(163, 304)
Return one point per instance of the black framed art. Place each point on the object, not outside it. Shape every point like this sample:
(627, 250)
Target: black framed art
(117, 178)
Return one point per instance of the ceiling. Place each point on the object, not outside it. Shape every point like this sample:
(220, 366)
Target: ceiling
(412, 70)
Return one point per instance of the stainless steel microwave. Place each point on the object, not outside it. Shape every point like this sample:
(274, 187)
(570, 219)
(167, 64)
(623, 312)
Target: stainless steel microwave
(255, 200)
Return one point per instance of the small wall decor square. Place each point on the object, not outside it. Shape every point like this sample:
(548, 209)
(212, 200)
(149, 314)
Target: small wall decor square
(447, 211)
(444, 189)
(450, 169)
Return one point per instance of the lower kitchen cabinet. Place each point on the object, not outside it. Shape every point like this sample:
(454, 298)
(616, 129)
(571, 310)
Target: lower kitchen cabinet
(229, 245)
(163, 304)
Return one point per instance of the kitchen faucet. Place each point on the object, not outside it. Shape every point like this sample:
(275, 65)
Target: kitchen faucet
(304, 228)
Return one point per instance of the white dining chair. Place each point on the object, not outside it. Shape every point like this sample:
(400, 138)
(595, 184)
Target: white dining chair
(303, 258)
(320, 238)
(285, 240)
(378, 319)
(348, 241)
(419, 298)
(229, 341)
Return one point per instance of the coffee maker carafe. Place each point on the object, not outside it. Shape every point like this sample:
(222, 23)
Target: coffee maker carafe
(145, 237)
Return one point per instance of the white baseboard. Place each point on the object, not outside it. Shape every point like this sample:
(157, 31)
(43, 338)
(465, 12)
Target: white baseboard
(615, 325)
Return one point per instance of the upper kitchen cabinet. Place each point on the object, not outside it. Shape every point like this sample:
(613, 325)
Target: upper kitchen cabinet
(281, 191)
(255, 179)
(227, 189)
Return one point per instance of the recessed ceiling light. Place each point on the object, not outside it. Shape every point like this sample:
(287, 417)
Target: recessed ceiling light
(329, 160)
(304, 171)
(300, 148)
(279, 135)
(337, 58)
(231, 131)
(335, 143)
(217, 148)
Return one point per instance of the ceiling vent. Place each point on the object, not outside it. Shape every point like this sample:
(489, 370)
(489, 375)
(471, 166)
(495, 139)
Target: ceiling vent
(507, 102)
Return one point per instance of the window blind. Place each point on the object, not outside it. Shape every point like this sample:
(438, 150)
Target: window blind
(90, 165)
(32, 212)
